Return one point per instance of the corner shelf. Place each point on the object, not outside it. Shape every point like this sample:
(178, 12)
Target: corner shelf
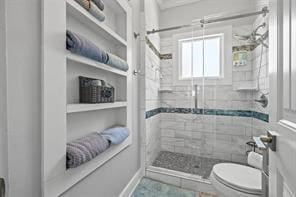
(246, 88)
(74, 108)
(165, 90)
(86, 18)
(92, 63)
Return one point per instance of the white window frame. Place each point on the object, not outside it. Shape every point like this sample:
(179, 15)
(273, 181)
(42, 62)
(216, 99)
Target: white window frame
(226, 63)
(221, 45)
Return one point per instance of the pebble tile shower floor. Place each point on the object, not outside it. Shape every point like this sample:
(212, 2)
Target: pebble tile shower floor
(200, 166)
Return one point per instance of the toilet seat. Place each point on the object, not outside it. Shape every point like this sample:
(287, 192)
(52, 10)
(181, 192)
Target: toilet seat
(239, 177)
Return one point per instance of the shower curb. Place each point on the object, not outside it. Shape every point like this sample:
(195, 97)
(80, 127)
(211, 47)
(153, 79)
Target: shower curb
(180, 179)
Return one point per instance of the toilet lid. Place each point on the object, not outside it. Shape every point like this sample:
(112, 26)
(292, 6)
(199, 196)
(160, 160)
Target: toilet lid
(239, 177)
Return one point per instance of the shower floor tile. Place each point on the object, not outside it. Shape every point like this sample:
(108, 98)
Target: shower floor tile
(151, 188)
(186, 163)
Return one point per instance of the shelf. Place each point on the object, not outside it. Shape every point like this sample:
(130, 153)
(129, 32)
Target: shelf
(74, 108)
(92, 63)
(86, 18)
(60, 184)
(247, 88)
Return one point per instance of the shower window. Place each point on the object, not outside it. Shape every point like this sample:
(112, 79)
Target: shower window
(202, 56)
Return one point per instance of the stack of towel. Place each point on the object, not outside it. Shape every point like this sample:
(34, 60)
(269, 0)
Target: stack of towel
(79, 45)
(88, 147)
(95, 7)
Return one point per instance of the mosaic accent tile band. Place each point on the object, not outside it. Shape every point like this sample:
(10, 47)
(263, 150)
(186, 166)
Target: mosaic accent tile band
(217, 112)
(156, 52)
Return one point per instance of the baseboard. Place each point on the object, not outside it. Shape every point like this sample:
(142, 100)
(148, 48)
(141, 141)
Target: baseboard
(131, 186)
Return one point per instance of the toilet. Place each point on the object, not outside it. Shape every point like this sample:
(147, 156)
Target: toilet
(234, 180)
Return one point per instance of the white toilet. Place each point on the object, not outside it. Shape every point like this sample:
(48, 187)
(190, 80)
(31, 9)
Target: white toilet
(234, 180)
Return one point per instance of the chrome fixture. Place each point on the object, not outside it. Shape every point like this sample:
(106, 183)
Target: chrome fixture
(201, 22)
(255, 38)
(137, 72)
(195, 96)
(263, 100)
(136, 35)
(264, 143)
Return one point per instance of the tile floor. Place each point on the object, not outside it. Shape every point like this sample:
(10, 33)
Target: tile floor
(151, 188)
(186, 163)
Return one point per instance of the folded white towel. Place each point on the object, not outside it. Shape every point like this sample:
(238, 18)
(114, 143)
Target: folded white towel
(255, 160)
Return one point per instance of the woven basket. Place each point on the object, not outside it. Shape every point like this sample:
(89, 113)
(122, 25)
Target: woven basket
(95, 91)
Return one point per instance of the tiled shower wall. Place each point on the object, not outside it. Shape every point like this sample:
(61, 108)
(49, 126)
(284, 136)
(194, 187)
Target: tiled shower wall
(213, 136)
(152, 81)
(152, 70)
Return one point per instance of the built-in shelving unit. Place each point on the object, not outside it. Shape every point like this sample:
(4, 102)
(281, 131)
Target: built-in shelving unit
(95, 64)
(64, 118)
(74, 108)
(86, 18)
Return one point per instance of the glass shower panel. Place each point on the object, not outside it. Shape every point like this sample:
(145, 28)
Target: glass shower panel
(206, 59)
(208, 118)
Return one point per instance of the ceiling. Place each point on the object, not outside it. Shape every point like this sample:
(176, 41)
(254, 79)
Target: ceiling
(165, 4)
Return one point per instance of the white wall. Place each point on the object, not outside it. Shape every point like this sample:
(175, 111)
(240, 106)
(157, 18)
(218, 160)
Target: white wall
(152, 20)
(24, 97)
(185, 14)
(3, 125)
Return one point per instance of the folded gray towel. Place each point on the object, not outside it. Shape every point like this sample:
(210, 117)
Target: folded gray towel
(85, 149)
(99, 3)
(80, 45)
(115, 135)
(96, 12)
(117, 62)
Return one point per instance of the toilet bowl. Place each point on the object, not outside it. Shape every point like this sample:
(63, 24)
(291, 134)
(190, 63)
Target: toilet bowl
(234, 180)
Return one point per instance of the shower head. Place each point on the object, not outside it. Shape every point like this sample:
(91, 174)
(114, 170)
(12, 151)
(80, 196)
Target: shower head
(256, 30)
(254, 37)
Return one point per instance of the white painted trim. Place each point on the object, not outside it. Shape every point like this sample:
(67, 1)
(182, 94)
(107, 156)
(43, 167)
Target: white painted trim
(174, 3)
(74, 108)
(182, 175)
(82, 14)
(131, 186)
(179, 179)
(95, 64)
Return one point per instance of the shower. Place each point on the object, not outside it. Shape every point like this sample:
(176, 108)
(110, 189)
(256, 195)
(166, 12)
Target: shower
(207, 116)
(256, 39)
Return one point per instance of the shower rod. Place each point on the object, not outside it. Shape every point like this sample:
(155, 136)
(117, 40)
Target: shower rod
(264, 11)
